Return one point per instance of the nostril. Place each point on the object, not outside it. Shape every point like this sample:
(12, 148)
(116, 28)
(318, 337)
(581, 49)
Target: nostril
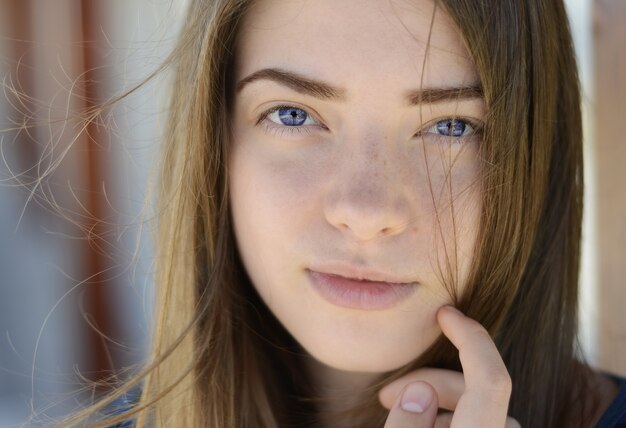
(366, 211)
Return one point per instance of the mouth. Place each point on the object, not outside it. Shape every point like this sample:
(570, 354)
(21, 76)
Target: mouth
(363, 290)
(364, 274)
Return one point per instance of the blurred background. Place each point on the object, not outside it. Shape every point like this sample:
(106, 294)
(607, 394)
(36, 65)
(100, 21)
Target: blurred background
(75, 227)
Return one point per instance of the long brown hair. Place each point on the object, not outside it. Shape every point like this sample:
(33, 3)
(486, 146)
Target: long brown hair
(219, 356)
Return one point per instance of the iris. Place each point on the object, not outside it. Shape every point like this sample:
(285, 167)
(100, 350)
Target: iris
(292, 116)
(451, 127)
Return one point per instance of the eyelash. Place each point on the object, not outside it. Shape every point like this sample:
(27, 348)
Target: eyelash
(475, 125)
(279, 130)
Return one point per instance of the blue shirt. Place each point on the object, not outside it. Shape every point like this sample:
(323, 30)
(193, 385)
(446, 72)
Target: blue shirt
(613, 417)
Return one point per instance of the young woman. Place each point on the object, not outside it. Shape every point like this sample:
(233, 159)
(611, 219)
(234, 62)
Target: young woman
(337, 177)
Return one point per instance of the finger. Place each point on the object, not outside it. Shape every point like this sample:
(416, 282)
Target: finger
(512, 423)
(445, 419)
(487, 382)
(448, 384)
(415, 407)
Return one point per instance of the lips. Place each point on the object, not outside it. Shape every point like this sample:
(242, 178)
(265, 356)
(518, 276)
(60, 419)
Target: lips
(350, 271)
(354, 288)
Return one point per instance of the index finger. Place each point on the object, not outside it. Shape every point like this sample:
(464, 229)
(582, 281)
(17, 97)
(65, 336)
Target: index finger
(487, 382)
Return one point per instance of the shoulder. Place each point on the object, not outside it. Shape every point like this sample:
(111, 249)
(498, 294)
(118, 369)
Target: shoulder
(123, 404)
(615, 414)
(125, 424)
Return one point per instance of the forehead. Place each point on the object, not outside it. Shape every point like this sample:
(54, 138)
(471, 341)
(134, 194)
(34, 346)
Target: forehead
(351, 42)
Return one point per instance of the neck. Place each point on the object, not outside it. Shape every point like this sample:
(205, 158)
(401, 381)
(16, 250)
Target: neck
(338, 389)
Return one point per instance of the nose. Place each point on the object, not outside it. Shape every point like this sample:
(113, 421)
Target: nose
(367, 204)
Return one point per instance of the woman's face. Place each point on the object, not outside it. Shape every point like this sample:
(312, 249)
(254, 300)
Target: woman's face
(354, 195)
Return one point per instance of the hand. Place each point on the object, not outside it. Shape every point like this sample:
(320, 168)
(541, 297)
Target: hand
(478, 397)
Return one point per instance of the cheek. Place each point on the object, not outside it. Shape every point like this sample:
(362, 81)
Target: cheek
(266, 190)
(453, 196)
(273, 200)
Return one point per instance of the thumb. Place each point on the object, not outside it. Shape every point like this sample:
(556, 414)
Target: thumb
(415, 407)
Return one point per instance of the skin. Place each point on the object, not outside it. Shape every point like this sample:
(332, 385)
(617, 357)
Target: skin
(368, 183)
(478, 397)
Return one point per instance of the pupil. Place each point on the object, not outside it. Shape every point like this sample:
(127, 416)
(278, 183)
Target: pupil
(292, 116)
(451, 128)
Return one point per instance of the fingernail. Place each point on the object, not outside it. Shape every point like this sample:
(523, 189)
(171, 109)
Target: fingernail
(416, 398)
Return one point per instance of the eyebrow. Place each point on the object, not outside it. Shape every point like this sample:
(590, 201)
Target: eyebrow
(296, 82)
(438, 95)
(323, 90)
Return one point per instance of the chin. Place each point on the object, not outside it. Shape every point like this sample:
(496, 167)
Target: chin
(373, 360)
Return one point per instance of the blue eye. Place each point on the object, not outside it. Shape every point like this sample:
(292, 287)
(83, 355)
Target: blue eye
(451, 128)
(290, 116)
